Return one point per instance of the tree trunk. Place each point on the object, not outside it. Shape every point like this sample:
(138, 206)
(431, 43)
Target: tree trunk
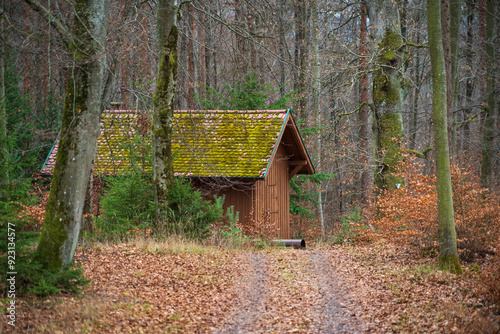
(300, 57)
(79, 132)
(203, 58)
(242, 61)
(445, 33)
(316, 105)
(387, 92)
(364, 113)
(191, 80)
(415, 99)
(448, 255)
(209, 49)
(490, 109)
(4, 152)
(282, 46)
(469, 74)
(455, 17)
(163, 101)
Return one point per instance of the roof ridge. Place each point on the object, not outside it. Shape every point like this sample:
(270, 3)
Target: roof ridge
(232, 111)
(134, 111)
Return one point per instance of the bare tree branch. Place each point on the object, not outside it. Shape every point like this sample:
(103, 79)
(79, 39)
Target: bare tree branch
(54, 21)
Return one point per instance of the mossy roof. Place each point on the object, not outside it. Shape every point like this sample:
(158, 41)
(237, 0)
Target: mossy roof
(124, 143)
(226, 143)
(236, 144)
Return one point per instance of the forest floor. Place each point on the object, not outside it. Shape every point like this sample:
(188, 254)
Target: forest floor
(145, 287)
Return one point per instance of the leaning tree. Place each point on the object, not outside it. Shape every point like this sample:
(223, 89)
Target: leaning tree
(79, 130)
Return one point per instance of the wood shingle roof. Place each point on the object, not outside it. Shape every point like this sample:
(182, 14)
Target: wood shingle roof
(235, 144)
(225, 143)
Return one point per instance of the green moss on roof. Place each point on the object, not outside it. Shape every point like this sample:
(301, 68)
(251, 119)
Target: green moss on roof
(204, 143)
(231, 144)
(122, 146)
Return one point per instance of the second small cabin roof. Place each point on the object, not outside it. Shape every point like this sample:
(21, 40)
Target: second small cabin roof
(205, 143)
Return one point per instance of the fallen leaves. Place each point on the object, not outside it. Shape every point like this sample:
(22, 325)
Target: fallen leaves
(346, 289)
(183, 291)
(400, 292)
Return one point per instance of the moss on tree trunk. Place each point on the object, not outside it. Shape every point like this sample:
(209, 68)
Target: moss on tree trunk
(79, 132)
(448, 255)
(388, 121)
(163, 101)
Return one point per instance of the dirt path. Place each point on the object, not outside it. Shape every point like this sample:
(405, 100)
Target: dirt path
(250, 304)
(291, 291)
(334, 313)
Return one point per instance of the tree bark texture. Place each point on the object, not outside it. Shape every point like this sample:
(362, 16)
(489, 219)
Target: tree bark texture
(79, 132)
(209, 51)
(316, 105)
(300, 57)
(415, 99)
(364, 113)
(163, 100)
(487, 151)
(455, 18)
(387, 91)
(191, 80)
(243, 57)
(469, 73)
(446, 36)
(282, 45)
(448, 255)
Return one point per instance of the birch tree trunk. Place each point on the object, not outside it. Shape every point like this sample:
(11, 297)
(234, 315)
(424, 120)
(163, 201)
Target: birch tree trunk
(79, 132)
(163, 101)
(448, 255)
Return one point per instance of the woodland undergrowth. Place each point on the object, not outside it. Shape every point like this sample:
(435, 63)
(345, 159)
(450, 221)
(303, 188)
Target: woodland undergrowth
(409, 214)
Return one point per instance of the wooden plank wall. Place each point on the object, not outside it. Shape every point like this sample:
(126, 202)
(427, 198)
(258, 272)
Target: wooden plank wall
(271, 196)
(242, 202)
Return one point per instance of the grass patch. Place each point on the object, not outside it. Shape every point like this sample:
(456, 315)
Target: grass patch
(172, 245)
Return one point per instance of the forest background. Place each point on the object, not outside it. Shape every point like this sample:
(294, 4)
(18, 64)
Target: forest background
(356, 75)
(323, 59)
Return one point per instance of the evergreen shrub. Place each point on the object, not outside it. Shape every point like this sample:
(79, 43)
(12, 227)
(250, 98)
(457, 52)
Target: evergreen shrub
(128, 204)
(188, 213)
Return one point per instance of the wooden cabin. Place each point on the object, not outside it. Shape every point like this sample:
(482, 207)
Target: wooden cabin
(247, 156)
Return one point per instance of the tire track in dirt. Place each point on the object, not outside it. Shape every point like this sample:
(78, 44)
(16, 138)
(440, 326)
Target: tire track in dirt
(332, 312)
(286, 291)
(250, 303)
